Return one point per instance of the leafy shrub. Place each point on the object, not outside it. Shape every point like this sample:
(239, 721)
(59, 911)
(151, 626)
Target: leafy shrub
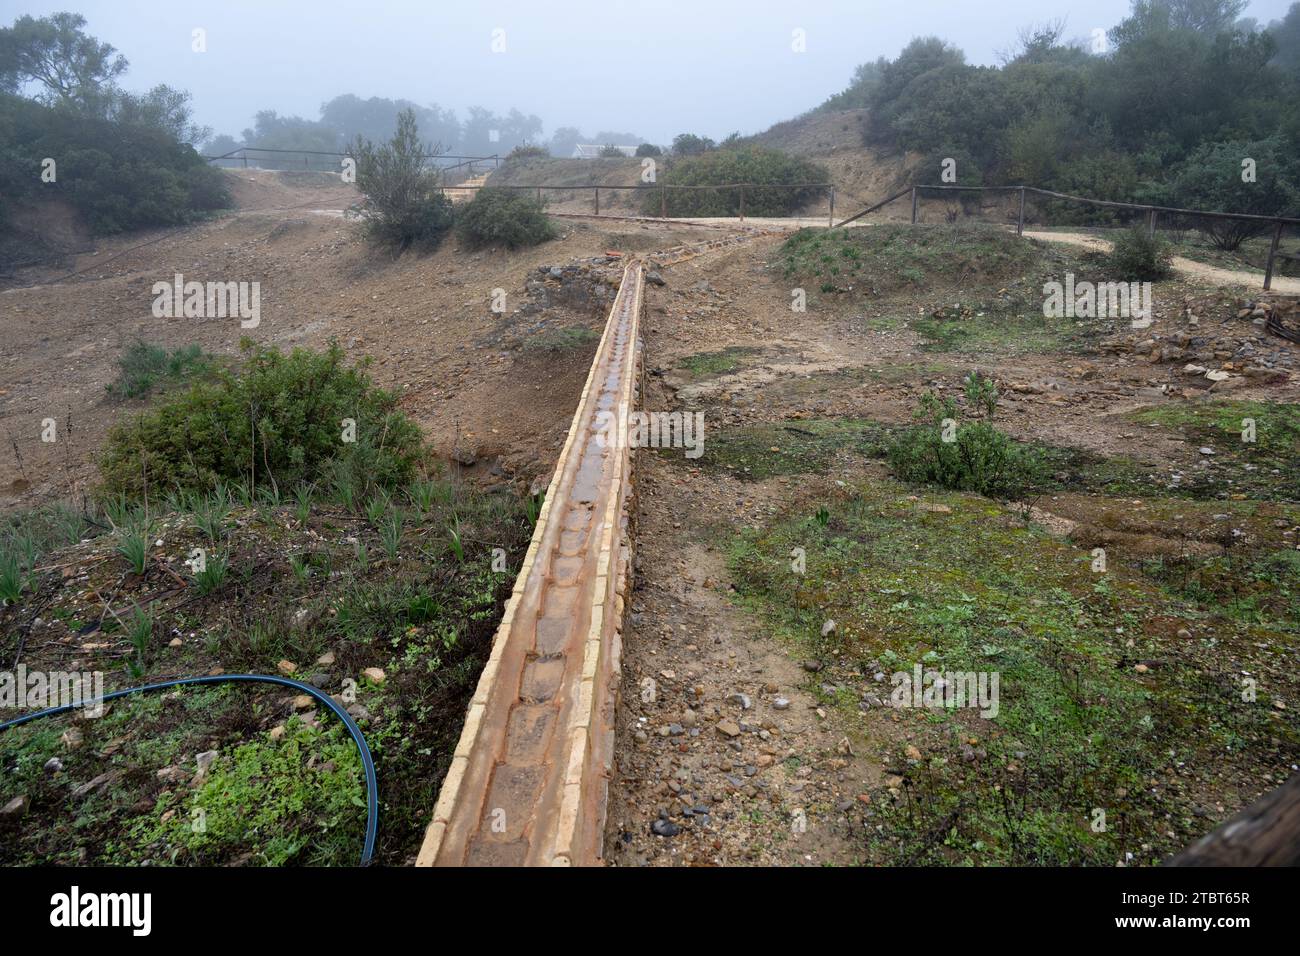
(277, 419)
(1210, 178)
(1139, 256)
(118, 176)
(506, 217)
(978, 457)
(404, 202)
(688, 144)
(648, 149)
(528, 151)
(610, 151)
(751, 164)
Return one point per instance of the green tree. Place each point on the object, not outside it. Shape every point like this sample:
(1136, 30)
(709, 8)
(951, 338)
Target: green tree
(405, 204)
(688, 144)
(1211, 178)
(56, 53)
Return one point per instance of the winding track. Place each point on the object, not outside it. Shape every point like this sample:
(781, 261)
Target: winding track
(528, 779)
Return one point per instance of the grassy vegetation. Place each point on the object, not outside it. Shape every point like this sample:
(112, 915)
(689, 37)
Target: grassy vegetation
(901, 256)
(328, 560)
(712, 364)
(781, 184)
(404, 582)
(1004, 325)
(1263, 468)
(562, 340)
(144, 367)
(298, 799)
(1081, 726)
(807, 446)
(965, 454)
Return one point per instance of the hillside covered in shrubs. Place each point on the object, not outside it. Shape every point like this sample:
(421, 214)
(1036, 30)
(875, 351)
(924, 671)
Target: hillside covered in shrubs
(1164, 109)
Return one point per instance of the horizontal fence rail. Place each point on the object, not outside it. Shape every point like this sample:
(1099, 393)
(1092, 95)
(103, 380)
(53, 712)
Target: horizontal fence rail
(662, 190)
(242, 156)
(1279, 223)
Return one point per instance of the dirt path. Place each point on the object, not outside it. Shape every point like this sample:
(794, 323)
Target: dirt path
(1187, 267)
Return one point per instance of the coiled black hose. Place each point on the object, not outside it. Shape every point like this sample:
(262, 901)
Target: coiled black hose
(367, 761)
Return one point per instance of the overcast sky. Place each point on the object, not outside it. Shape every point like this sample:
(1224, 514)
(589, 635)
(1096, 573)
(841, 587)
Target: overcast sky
(653, 68)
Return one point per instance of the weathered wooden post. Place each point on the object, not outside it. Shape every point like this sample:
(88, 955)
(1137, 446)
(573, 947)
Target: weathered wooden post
(1151, 222)
(742, 203)
(1272, 254)
(597, 200)
(1020, 219)
(830, 216)
(914, 210)
(663, 202)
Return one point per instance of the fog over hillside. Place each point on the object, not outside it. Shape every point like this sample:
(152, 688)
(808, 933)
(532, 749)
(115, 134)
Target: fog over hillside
(715, 68)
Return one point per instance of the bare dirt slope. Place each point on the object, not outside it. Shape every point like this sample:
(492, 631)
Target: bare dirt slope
(862, 175)
(463, 371)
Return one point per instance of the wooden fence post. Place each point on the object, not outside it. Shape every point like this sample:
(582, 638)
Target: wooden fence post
(830, 216)
(1151, 223)
(742, 203)
(914, 210)
(663, 202)
(597, 200)
(1272, 254)
(1020, 219)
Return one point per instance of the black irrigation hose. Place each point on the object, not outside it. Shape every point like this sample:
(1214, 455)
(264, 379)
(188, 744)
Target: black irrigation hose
(367, 761)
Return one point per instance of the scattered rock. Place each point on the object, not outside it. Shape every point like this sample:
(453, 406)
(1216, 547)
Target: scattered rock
(15, 808)
(375, 674)
(728, 728)
(665, 828)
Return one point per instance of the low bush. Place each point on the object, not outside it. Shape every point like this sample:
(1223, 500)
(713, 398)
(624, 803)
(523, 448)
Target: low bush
(278, 419)
(528, 151)
(504, 217)
(1139, 256)
(963, 455)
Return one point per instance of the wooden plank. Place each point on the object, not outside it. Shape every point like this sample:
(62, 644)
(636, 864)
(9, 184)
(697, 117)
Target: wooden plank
(1266, 833)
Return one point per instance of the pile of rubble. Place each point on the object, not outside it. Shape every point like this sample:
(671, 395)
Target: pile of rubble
(587, 285)
(1227, 352)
